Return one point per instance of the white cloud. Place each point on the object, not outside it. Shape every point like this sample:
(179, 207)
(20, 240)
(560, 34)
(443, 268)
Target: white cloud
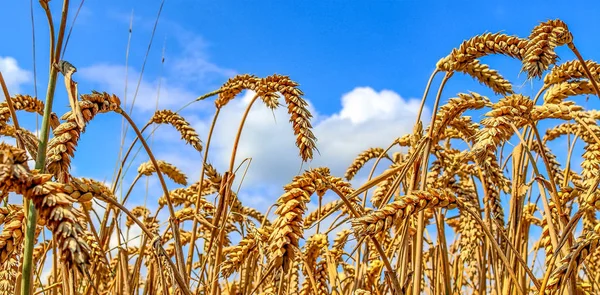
(364, 103)
(14, 76)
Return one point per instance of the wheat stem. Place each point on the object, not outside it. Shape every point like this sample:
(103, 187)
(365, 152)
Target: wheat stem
(424, 164)
(198, 199)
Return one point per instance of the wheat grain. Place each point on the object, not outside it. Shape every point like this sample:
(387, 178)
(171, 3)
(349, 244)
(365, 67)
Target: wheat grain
(52, 201)
(236, 255)
(571, 70)
(362, 159)
(298, 110)
(147, 168)
(539, 54)
(560, 91)
(188, 134)
(61, 148)
(483, 45)
(384, 218)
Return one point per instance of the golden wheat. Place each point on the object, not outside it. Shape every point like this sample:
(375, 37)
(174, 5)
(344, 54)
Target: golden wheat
(459, 209)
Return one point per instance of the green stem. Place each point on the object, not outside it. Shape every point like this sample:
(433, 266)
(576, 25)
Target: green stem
(40, 163)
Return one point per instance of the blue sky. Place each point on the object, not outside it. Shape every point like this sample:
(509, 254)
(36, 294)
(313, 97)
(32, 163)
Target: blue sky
(363, 66)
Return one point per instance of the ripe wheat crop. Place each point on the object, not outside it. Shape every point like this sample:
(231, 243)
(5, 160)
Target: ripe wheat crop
(433, 222)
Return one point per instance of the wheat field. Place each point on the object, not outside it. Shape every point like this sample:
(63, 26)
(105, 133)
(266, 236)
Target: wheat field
(431, 223)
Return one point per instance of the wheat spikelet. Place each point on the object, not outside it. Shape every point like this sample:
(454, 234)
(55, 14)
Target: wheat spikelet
(315, 247)
(322, 278)
(455, 106)
(585, 122)
(558, 92)
(566, 111)
(374, 273)
(384, 187)
(235, 86)
(8, 275)
(528, 210)
(362, 159)
(52, 201)
(53, 204)
(297, 109)
(384, 218)
(590, 164)
(337, 249)
(99, 264)
(293, 287)
(571, 70)
(212, 175)
(461, 127)
(84, 190)
(188, 134)
(404, 140)
(517, 110)
(287, 228)
(14, 172)
(543, 39)
(97, 189)
(494, 181)
(28, 139)
(326, 209)
(236, 255)
(561, 129)
(11, 235)
(486, 76)
(594, 261)
(147, 168)
(28, 104)
(62, 147)
(483, 45)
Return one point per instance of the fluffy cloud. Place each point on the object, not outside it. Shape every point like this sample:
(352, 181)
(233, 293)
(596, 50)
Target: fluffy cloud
(14, 76)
